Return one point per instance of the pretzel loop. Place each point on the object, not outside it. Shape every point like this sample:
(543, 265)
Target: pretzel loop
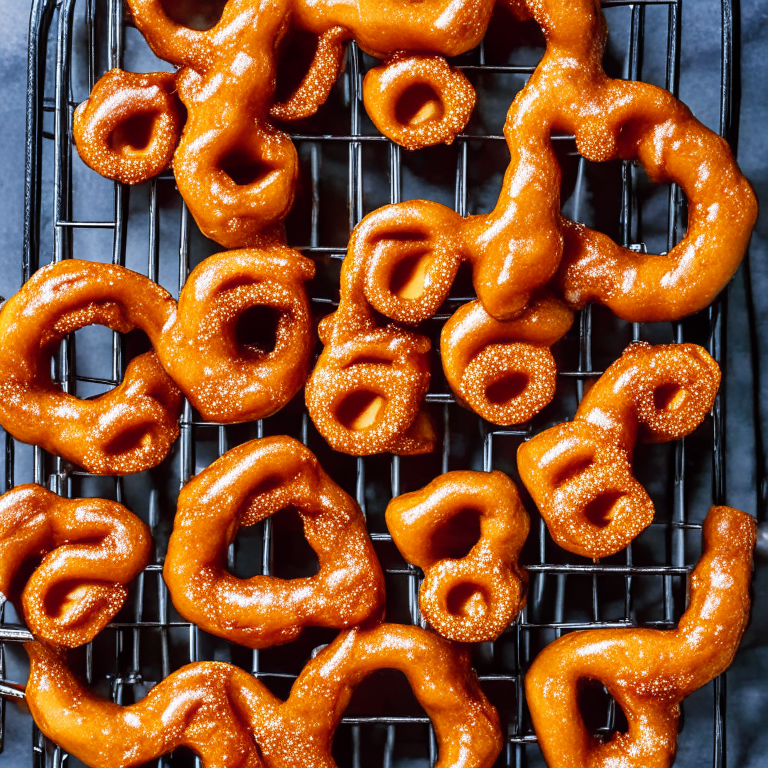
(246, 485)
(579, 474)
(90, 549)
(647, 671)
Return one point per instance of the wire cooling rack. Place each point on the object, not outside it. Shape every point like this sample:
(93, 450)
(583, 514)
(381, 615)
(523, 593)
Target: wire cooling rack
(346, 166)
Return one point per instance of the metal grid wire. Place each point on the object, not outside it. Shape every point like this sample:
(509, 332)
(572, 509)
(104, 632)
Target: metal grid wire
(71, 43)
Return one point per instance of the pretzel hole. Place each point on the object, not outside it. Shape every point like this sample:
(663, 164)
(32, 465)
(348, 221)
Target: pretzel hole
(668, 397)
(508, 387)
(68, 601)
(132, 439)
(600, 511)
(295, 56)
(410, 275)
(134, 134)
(360, 410)
(256, 330)
(456, 537)
(468, 601)
(419, 104)
(244, 169)
(597, 708)
(200, 15)
(572, 470)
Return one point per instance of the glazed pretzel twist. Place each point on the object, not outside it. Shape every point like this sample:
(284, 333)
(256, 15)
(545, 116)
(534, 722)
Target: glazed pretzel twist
(467, 596)
(579, 473)
(647, 671)
(246, 485)
(132, 428)
(231, 720)
(90, 549)
(235, 170)
(518, 247)
(366, 392)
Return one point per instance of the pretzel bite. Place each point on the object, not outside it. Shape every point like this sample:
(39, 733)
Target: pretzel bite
(231, 720)
(90, 549)
(129, 429)
(647, 671)
(580, 474)
(472, 589)
(248, 484)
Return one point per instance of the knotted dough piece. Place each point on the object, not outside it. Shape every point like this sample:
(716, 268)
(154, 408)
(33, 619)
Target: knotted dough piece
(465, 530)
(246, 485)
(231, 720)
(87, 549)
(579, 473)
(647, 671)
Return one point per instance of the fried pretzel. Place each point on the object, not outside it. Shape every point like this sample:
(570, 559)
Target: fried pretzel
(88, 550)
(231, 720)
(647, 671)
(234, 168)
(525, 242)
(246, 485)
(472, 589)
(579, 473)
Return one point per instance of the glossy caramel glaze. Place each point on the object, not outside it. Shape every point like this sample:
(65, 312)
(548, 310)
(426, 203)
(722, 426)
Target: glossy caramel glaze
(86, 551)
(418, 101)
(579, 473)
(503, 369)
(129, 126)
(525, 242)
(246, 485)
(234, 168)
(128, 429)
(231, 720)
(647, 671)
(465, 530)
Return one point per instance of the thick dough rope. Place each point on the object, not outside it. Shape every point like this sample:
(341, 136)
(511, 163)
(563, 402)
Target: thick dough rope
(518, 247)
(88, 550)
(235, 170)
(579, 473)
(366, 392)
(132, 428)
(647, 671)
(231, 720)
(246, 485)
(472, 590)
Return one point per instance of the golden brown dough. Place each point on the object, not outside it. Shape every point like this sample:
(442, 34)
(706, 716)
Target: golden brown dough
(246, 485)
(472, 590)
(647, 671)
(88, 550)
(579, 473)
(231, 720)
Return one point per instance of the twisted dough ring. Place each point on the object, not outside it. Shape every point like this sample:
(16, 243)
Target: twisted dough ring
(648, 671)
(90, 549)
(579, 473)
(366, 392)
(231, 720)
(518, 247)
(467, 596)
(248, 484)
(129, 429)
(235, 170)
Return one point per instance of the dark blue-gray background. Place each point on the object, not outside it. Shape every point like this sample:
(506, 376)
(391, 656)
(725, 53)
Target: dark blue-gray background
(747, 388)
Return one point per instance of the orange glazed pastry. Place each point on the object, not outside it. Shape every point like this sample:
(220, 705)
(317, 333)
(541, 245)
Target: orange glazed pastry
(235, 170)
(90, 549)
(231, 720)
(519, 247)
(248, 484)
(580, 474)
(129, 127)
(465, 530)
(647, 671)
(128, 429)
(504, 370)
